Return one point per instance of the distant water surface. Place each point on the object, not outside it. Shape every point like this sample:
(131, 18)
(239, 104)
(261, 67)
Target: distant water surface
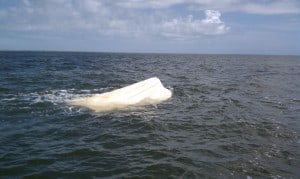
(230, 116)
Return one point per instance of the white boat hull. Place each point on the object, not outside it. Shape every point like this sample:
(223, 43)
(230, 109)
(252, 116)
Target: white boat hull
(150, 91)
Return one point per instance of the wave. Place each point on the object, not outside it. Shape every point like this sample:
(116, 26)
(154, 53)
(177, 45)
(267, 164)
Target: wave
(44, 102)
(52, 96)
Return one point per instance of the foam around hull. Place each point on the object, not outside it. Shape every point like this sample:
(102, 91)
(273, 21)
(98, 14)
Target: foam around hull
(150, 91)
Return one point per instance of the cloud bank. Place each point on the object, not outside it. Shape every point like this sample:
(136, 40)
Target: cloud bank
(264, 7)
(176, 19)
(110, 18)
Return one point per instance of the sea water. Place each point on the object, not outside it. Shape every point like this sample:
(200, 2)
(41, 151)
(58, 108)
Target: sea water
(230, 116)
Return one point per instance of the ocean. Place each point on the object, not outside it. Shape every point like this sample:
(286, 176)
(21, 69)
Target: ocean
(230, 116)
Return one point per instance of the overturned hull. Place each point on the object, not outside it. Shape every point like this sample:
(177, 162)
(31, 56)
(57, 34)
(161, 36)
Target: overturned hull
(150, 91)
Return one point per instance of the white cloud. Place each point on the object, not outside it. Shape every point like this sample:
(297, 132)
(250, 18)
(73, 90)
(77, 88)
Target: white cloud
(190, 27)
(133, 18)
(212, 17)
(108, 18)
(148, 3)
(263, 7)
(266, 7)
(279, 7)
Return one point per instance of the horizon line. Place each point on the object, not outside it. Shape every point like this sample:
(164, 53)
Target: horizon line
(137, 52)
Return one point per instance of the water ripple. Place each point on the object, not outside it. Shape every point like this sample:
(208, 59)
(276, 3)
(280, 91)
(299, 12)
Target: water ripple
(230, 116)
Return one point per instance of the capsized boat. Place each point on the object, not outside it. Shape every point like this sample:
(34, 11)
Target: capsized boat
(146, 92)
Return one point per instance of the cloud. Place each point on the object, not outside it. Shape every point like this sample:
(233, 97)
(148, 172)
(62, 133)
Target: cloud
(280, 7)
(133, 18)
(264, 7)
(148, 3)
(108, 18)
(212, 17)
(190, 27)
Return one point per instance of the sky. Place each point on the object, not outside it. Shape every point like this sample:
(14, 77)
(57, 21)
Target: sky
(159, 26)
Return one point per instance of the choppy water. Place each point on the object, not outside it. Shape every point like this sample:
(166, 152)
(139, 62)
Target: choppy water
(230, 116)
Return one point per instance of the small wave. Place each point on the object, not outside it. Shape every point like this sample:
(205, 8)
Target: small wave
(54, 97)
(9, 99)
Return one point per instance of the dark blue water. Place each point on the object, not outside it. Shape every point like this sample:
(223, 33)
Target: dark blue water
(230, 116)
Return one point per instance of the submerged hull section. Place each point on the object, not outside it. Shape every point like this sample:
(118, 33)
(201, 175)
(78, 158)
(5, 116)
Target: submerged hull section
(150, 91)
